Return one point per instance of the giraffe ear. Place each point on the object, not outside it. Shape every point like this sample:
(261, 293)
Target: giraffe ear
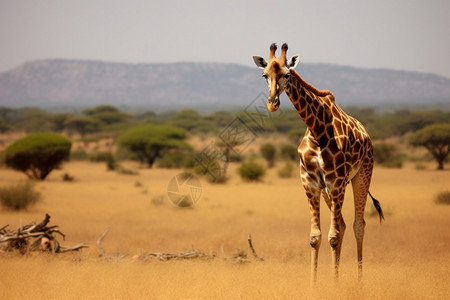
(260, 62)
(293, 62)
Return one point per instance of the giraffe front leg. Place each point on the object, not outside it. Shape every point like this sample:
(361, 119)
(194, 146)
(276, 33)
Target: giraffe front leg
(315, 237)
(336, 234)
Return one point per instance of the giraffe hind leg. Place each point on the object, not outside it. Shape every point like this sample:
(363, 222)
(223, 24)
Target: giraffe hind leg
(360, 185)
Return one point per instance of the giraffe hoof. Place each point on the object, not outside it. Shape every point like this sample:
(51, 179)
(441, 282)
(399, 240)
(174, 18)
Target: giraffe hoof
(334, 242)
(314, 241)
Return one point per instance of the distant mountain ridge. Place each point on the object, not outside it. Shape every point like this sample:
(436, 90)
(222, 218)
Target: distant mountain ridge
(58, 82)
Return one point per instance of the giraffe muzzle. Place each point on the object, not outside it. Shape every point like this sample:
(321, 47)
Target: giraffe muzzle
(273, 104)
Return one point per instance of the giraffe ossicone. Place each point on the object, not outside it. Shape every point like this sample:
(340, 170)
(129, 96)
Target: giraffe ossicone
(335, 150)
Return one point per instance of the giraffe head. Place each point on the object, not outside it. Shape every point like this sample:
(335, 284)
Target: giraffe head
(277, 73)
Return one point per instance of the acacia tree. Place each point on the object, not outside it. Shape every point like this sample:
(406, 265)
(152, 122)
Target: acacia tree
(106, 114)
(227, 143)
(436, 138)
(81, 124)
(150, 141)
(38, 154)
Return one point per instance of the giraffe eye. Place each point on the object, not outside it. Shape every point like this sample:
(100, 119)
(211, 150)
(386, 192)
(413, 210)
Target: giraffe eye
(265, 76)
(287, 75)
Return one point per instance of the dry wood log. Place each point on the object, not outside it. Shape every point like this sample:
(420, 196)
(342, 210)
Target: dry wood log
(33, 237)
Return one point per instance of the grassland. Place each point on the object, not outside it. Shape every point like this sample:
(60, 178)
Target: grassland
(406, 257)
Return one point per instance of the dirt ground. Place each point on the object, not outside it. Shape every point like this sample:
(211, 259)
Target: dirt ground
(406, 257)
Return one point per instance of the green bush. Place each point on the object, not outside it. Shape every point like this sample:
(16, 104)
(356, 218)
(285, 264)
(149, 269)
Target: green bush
(220, 178)
(212, 171)
(289, 152)
(104, 156)
(383, 152)
(396, 162)
(386, 155)
(78, 154)
(38, 154)
(101, 156)
(19, 196)
(176, 159)
(268, 151)
(251, 171)
(443, 198)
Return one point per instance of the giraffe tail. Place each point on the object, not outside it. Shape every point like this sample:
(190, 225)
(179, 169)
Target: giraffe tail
(377, 205)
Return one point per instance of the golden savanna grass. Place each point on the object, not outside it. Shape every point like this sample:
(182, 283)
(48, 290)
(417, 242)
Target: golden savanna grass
(406, 257)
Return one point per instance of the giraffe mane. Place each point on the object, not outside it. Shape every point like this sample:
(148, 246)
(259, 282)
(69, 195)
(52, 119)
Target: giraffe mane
(311, 88)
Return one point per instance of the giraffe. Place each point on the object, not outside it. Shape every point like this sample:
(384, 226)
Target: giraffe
(335, 150)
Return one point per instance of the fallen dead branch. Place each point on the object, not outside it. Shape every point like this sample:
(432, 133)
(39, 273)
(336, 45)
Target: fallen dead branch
(104, 255)
(34, 237)
(192, 254)
(239, 257)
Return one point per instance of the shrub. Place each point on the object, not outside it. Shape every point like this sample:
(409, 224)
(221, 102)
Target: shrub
(78, 154)
(251, 171)
(19, 196)
(212, 171)
(38, 154)
(220, 178)
(286, 171)
(67, 177)
(268, 151)
(102, 156)
(235, 157)
(385, 154)
(394, 162)
(443, 198)
(289, 152)
(176, 159)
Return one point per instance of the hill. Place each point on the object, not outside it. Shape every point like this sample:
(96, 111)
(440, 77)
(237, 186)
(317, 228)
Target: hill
(56, 82)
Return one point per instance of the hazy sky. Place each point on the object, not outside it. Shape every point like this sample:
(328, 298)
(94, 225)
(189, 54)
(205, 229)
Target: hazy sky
(398, 34)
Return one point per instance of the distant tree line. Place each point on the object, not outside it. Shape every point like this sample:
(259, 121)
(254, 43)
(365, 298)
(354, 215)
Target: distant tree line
(151, 136)
(109, 119)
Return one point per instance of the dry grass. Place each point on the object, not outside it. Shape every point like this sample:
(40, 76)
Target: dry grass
(405, 257)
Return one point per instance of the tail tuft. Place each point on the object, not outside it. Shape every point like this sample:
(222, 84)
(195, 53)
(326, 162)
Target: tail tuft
(377, 205)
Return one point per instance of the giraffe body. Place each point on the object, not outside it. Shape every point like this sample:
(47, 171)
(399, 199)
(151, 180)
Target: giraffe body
(335, 150)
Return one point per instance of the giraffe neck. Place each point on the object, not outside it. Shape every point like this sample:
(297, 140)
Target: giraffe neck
(313, 106)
